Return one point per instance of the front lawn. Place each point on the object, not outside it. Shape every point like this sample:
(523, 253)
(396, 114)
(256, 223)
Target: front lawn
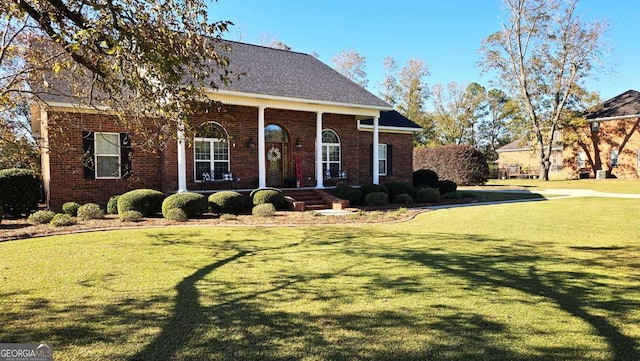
(549, 280)
(601, 185)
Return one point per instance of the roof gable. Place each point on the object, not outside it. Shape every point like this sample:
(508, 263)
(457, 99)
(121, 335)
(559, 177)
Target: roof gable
(626, 104)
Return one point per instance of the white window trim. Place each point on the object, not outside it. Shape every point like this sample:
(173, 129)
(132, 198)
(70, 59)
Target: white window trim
(212, 160)
(326, 165)
(383, 158)
(96, 136)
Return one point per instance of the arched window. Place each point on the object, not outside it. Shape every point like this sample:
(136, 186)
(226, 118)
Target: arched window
(211, 148)
(331, 157)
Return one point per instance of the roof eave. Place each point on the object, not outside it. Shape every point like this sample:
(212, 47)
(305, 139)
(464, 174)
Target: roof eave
(618, 117)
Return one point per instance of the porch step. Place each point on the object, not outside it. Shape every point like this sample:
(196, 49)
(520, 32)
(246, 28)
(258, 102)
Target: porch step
(306, 199)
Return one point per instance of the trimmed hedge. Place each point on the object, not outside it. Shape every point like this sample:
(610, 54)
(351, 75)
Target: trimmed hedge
(425, 178)
(70, 208)
(130, 216)
(353, 195)
(462, 164)
(427, 195)
(112, 205)
(176, 215)
(367, 189)
(226, 202)
(19, 191)
(377, 199)
(263, 210)
(395, 188)
(41, 217)
(90, 211)
(146, 201)
(447, 186)
(268, 195)
(403, 198)
(193, 204)
(62, 220)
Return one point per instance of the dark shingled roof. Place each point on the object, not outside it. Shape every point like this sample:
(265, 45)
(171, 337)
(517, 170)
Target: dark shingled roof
(281, 73)
(392, 119)
(625, 104)
(290, 74)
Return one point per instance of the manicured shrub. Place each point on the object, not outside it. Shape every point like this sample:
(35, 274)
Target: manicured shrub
(376, 199)
(403, 198)
(90, 211)
(425, 178)
(112, 205)
(62, 220)
(146, 201)
(395, 188)
(462, 164)
(176, 214)
(193, 204)
(427, 195)
(366, 189)
(19, 191)
(351, 194)
(268, 195)
(228, 217)
(447, 186)
(41, 217)
(264, 210)
(70, 208)
(130, 216)
(226, 202)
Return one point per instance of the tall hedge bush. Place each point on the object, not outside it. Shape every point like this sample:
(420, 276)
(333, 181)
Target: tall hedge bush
(19, 191)
(146, 201)
(193, 204)
(462, 164)
(425, 178)
(395, 188)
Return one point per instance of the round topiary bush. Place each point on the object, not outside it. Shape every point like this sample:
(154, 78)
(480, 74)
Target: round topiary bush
(353, 195)
(425, 177)
(130, 216)
(90, 211)
(367, 189)
(193, 204)
(427, 195)
(70, 208)
(376, 199)
(112, 205)
(447, 186)
(62, 220)
(19, 191)
(264, 210)
(395, 188)
(176, 215)
(226, 202)
(268, 195)
(146, 201)
(403, 198)
(41, 217)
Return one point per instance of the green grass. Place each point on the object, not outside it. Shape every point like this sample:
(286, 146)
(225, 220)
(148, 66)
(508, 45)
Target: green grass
(602, 185)
(553, 280)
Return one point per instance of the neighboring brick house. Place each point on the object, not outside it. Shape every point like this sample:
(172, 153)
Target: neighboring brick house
(263, 135)
(609, 141)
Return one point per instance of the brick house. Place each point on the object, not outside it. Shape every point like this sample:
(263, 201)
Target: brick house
(264, 134)
(608, 141)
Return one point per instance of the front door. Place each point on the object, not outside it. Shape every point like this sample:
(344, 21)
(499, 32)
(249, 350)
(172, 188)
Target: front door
(274, 159)
(276, 154)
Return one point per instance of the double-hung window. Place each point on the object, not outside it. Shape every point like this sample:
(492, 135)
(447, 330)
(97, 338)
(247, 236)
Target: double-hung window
(331, 157)
(211, 147)
(106, 155)
(382, 159)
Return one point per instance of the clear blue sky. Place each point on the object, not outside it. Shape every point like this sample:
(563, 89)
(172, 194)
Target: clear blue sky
(446, 35)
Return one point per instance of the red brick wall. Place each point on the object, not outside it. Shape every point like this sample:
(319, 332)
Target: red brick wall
(159, 170)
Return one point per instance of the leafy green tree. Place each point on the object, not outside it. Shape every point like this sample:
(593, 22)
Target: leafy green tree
(501, 125)
(132, 56)
(543, 53)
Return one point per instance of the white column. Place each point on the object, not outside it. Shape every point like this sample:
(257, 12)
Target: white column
(262, 167)
(319, 172)
(376, 157)
(182, 160)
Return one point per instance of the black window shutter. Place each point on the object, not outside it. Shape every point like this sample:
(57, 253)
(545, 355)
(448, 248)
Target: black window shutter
(88, 161)
(125, 155)
(389, 159)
